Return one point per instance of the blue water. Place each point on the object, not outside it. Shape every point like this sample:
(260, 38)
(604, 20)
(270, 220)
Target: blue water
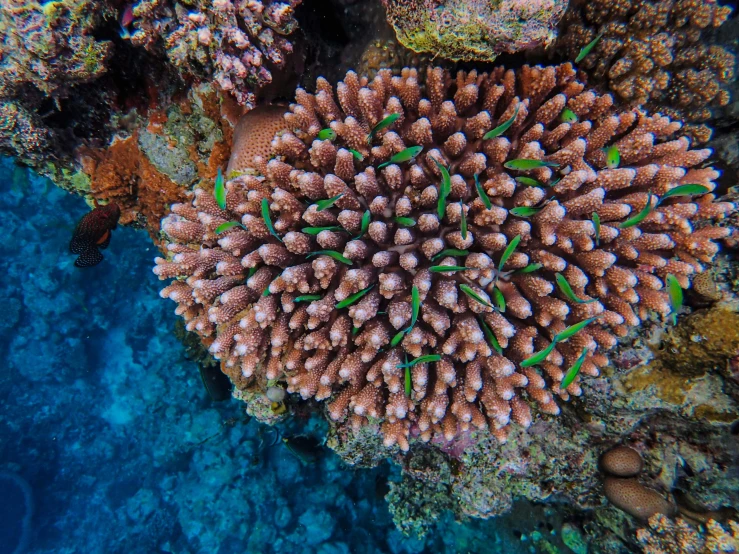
(125, 452)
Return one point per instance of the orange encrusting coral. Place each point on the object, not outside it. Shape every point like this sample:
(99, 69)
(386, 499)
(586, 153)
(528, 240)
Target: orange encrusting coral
(242, 286)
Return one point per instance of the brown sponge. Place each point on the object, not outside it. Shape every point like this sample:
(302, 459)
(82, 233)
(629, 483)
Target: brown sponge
(622, 461)
(635, 499)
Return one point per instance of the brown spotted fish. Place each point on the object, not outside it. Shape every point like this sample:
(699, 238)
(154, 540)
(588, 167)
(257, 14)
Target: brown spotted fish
(93, 234)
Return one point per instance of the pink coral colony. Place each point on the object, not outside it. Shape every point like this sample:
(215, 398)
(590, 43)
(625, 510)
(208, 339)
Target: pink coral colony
(315, 295)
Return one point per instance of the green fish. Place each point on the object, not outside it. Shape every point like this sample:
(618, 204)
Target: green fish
(421, 360)
(463, 223)
(327, 203)
(508, 251)
(613, 157)
(402, 156)
(587, 48)
(684, 190)
(573, 371)
(316, 230)
(522, 164)
(568, 116)
(525, 211)
(573, 329)
(529, 181)
(331, 253)
(445, 187)
(490, 336)
(503, 127)
(398, 337)
(499, 299)
(356, 154)
(223, 227)
(408, 380)
(638, 218)
(482, 194)
(405, 221)
(448, 268)
(565, 287)
(528, 269)
(384, 124)
(675, 293)
(449, 252)
(268, 220)
(327, 134)
(351, 299)
(365, 224)
(415, 306)
(596, 223)
(472, 294)
(539, 356)
(308, 298)
(219, 190)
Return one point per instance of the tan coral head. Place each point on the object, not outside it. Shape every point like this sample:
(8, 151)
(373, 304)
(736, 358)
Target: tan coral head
(318, 287)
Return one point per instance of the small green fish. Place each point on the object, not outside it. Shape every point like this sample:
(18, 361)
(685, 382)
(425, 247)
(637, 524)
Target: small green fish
(522, 164)
(573, 371)
(573, 329)
(355, 331)
(499, 299)
(638, 218)
(408, 380)
(463, 223)
(472, 294)
(482, 194)
(398, 337)
(332, 253)
(490, 336)
(529, 181)
(675, 293)
(327, 134)
(405, 221)
(316, 230)
(596, 223)
(587, 48)
(449, 252)
(508, 251)
(365, 224)
(351, 299)
(327, 203)
(421, 360)
(565, 287)
(448, 268)
(503, 127)
(402, 156)
(268, 220)
(308, 298)
(223, 227)
(539, 356)
(219, 191)
(568, 116)
(528, 269)
(684, 190)
(415, 306)
(613, 157)
(445, 187)
(252, 271)
(266, 291)
(384, 124)
(525, 211)
(356, 154)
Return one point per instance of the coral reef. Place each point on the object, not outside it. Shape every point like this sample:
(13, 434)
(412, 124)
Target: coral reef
(622, 461)
(473, 29)
(253, 136)
(354, 201)
(236, 43)
(664, 536)
(654, 53)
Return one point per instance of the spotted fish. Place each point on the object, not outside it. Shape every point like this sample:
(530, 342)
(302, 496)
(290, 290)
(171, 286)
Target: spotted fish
(93, 234)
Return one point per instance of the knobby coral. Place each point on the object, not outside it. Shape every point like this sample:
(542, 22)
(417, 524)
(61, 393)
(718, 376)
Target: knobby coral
(473, 29)
(654, 53)
(664, 536)
(401, 250)
(233, 42)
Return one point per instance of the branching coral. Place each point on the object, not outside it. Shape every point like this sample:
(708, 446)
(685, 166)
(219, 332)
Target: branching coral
(664, 536)
(233, 42)
(404, 253)
(473, 29)
(654, 53)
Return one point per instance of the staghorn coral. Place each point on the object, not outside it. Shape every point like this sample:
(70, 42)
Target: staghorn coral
(473, 29)
(253, 136)
(664, 536)
(240, 289)
(233, 42)
(654, 53)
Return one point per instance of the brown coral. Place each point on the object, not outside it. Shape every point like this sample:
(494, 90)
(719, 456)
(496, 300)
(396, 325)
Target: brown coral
(664, 536)
(317, 296)
(253, 136)
(635, 499)
(654, 53)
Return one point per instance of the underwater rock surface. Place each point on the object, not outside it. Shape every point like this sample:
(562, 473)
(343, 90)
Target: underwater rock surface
(111, 426)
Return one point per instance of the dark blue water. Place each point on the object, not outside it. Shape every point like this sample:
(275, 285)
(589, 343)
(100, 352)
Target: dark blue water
(107, 420)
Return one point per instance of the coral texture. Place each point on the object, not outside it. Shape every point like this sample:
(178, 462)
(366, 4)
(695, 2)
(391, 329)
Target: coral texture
(234, 42)
(473, 29)
(654, 54)
(622, 461)
(253, 136)
(664, 536)
(276, 298)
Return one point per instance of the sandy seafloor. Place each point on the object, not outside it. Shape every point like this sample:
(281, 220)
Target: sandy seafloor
(101, 412)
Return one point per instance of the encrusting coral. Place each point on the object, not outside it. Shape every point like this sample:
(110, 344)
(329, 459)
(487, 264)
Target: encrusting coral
(418, 293)
(234, 42)
(664, 536)
(654, 54)
(473, 29)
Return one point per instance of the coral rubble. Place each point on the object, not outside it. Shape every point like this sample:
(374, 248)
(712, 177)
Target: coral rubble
(655, 54)
(343, 299)
(473, 29)
(236, 43)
